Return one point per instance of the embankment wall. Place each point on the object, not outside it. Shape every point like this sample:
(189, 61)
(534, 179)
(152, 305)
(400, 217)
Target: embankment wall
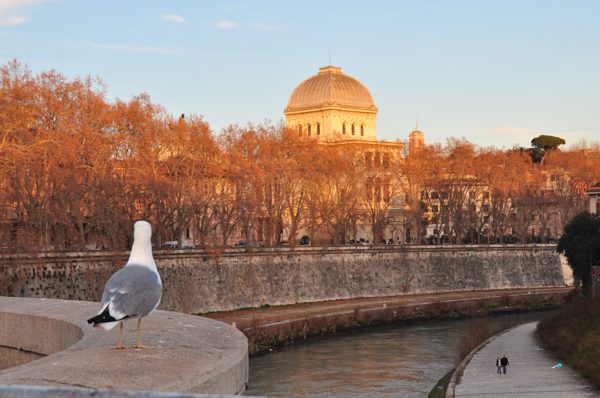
(197, 282)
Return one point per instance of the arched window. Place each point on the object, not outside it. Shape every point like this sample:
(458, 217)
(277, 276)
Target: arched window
(318, 128)
(309, 130)
(353, 129)
(343, 128)
(300, 130)
(362, 129)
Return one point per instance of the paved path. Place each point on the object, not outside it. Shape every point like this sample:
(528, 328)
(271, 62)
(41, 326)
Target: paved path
(530, 373)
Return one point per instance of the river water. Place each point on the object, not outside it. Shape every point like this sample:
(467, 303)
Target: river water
(389, 361)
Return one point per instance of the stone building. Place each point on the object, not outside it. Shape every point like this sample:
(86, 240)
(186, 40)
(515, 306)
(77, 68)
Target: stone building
(332, 106)
(594, 199)
(337, 109)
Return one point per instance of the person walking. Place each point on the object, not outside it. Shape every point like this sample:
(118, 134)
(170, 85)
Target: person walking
(498, 367)
(504, 363)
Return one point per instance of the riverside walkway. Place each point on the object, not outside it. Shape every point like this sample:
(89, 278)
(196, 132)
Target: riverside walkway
(530, 373)
(266, 327)
(247, 318)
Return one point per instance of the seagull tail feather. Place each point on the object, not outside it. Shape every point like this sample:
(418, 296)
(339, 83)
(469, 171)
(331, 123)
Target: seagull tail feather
(104, 317)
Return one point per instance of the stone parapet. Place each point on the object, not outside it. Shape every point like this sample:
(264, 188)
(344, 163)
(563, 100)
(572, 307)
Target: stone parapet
(14, 391)
(187, 354)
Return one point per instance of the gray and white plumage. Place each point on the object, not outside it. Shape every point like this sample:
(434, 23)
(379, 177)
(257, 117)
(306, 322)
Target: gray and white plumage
(136, 289)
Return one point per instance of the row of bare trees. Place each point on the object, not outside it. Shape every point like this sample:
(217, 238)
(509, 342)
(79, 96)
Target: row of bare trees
(77, 170)
(486, 195)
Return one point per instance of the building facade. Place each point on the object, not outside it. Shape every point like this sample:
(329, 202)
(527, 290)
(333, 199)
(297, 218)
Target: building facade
(594, 200)
(336, 109)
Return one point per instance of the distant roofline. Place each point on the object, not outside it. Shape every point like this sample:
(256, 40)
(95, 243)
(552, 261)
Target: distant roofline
(593, 190)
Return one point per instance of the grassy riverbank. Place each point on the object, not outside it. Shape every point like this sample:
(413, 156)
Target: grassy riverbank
(439, 391)
(573, 334)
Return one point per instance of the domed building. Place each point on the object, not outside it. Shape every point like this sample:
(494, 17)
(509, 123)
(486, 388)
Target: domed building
(332, 106)
(337, 109)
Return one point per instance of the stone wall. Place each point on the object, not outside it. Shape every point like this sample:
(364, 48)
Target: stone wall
(196, 282)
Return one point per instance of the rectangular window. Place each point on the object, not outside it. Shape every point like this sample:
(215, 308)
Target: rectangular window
(434, 195)
(386, 160)
(386, 191)
(377, 192)
(369, 189)
(434, 208)
(368, 159)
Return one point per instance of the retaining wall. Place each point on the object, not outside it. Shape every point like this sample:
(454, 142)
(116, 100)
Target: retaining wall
(197, 282)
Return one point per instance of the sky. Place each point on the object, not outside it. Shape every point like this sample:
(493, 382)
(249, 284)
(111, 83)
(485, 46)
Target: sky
(497, 73)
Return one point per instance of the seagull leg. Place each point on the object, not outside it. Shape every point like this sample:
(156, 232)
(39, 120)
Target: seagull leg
(138, 336)
(120, 345)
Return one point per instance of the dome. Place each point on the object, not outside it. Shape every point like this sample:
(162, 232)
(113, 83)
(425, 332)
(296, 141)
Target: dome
(331, 87)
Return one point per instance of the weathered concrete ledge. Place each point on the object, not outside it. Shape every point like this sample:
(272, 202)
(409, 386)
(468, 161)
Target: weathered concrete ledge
(15, 391)
(188, 354)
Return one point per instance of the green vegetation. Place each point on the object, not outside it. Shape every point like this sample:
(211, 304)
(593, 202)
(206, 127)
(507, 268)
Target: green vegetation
(439, 391)
(581, 245)
(573, 333)
(542, 146)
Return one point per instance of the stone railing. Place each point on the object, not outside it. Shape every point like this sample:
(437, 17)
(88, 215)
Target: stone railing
(187, 354)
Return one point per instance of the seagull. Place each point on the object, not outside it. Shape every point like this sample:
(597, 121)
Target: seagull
(133, 291)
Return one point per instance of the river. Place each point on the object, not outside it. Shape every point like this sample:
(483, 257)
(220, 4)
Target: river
(390, 361)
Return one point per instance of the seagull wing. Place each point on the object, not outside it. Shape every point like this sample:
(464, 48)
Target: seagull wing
(132, 291)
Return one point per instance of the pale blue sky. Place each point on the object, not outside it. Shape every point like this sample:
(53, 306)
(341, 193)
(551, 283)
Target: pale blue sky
(495, 72)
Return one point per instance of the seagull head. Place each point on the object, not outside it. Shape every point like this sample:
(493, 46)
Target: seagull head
(141, 250)
(142, 231)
